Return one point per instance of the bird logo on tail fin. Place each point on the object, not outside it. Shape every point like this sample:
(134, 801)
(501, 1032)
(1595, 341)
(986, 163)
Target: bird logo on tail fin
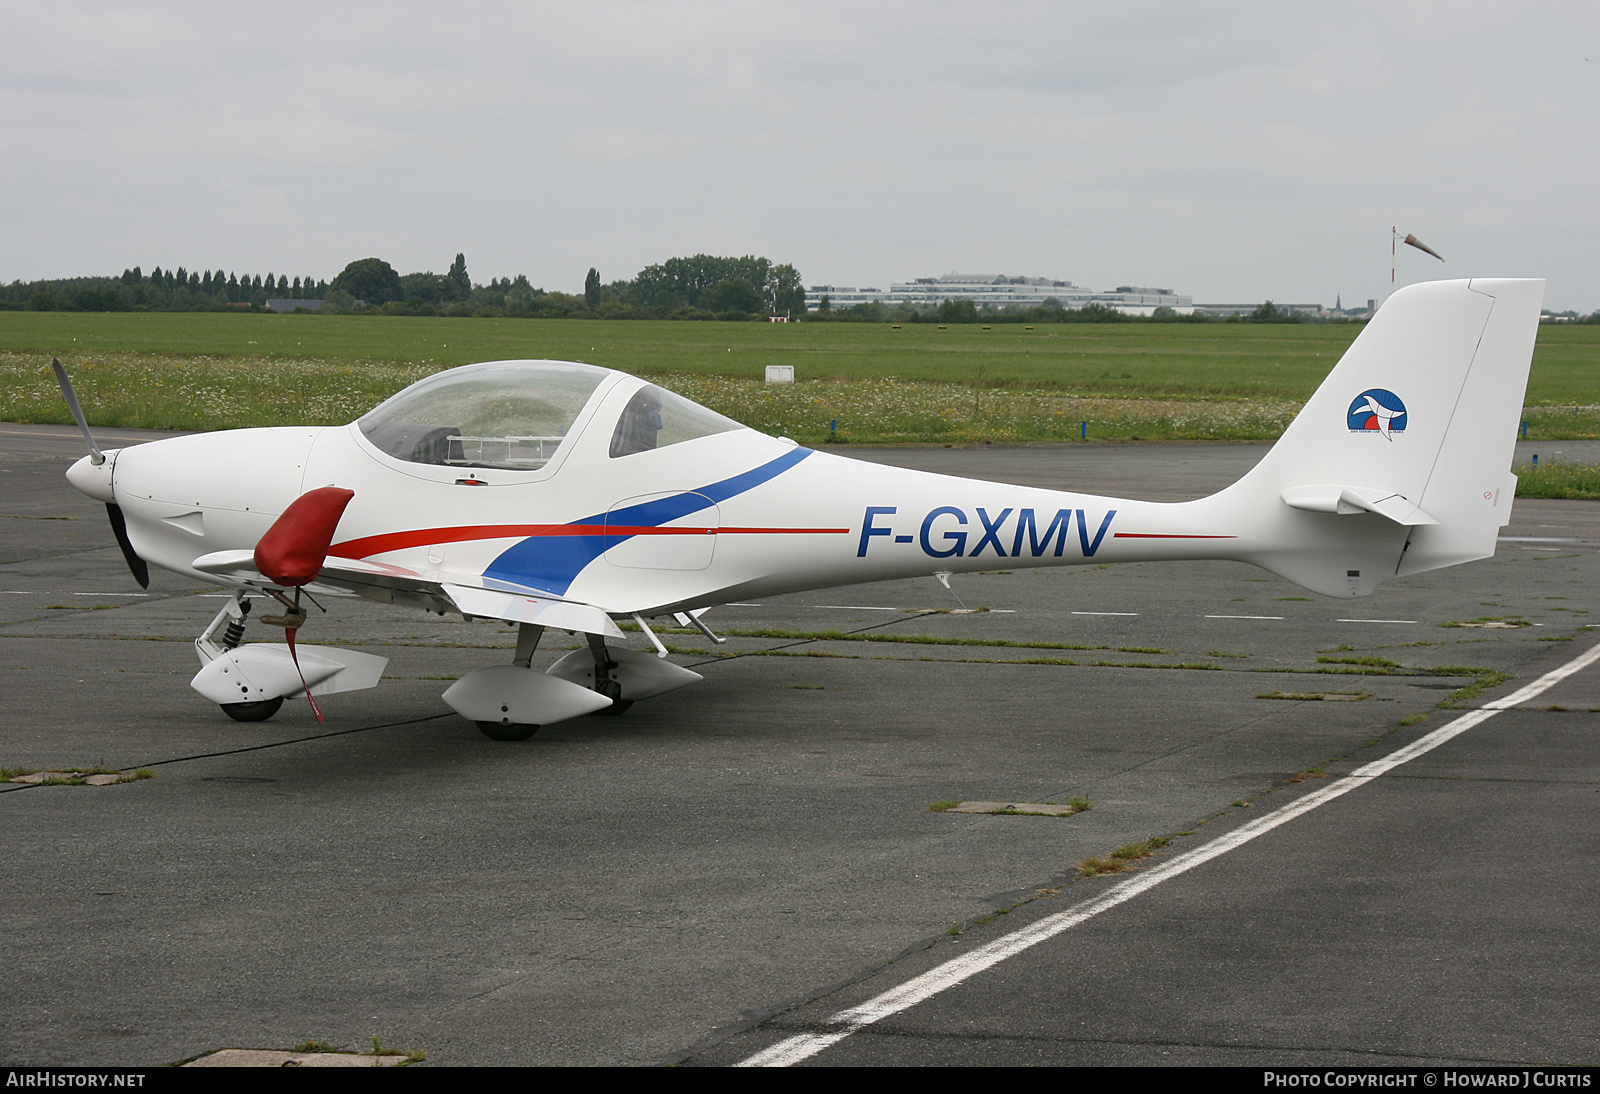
(1377, 410)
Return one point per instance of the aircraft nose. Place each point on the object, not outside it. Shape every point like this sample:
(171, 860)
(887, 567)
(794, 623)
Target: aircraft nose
(92, 479)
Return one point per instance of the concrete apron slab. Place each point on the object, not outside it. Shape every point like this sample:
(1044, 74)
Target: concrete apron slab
(613, 889)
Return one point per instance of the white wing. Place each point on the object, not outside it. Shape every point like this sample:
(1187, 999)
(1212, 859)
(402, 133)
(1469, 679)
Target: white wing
(466, 593)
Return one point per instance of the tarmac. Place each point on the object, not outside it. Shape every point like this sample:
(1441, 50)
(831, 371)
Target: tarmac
(731, 865)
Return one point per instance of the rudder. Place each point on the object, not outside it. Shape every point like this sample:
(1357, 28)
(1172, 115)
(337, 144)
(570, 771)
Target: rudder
(1471, 487)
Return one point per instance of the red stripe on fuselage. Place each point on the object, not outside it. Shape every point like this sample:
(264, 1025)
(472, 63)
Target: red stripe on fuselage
(368, 546)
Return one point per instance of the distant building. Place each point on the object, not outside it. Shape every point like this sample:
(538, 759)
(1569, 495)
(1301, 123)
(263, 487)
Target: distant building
(999, 290)
(291, 305)
(1245, 309)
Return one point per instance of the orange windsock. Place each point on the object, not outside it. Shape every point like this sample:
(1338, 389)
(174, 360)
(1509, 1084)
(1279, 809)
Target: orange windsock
(1413, 241)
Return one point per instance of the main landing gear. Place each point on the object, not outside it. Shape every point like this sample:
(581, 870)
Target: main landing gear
(599, 681)
(510, 702)
(528, 635)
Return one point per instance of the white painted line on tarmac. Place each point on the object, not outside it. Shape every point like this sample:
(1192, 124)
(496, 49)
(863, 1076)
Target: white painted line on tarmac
(1244, 617)
(1375, 621)
(70, 433)
(742, 604)
(1105, 613)
(36, 592)
(802, 1046)
(952, 611)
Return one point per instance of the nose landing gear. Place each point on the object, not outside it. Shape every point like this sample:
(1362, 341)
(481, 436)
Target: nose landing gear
(250, 682)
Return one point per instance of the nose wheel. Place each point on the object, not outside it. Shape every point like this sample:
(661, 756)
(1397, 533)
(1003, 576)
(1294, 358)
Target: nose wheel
(254, 712)
(225, 633)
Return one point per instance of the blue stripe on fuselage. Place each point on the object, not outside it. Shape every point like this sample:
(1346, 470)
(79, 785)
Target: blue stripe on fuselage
(554, 562)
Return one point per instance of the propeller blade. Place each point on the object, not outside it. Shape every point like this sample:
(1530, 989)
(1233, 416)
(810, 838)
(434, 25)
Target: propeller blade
(119, 524)
(119, 527)
(98, 457)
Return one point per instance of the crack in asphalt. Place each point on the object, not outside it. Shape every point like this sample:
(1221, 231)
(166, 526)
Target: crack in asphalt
(259, 748)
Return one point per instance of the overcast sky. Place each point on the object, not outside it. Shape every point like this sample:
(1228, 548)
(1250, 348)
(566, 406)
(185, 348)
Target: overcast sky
(1232, 152)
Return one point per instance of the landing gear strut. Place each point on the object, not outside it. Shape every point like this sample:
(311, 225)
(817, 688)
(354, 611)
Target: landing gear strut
(604, 682)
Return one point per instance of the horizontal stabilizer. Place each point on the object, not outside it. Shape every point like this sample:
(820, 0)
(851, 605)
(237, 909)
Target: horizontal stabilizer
(1345, 500)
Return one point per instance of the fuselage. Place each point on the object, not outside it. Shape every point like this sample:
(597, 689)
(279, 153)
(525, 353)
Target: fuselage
(668, 528)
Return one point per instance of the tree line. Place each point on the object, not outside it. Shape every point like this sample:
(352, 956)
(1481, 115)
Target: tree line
(697, 287)
(159, 290)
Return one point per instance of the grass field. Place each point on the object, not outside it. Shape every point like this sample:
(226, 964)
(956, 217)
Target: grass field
(919, 383)
(1559, 480)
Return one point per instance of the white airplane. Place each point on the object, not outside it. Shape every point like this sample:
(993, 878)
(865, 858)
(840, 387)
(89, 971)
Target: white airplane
(553, 494)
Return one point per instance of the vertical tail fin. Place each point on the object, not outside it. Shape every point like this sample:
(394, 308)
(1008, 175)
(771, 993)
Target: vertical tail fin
(1401, 460)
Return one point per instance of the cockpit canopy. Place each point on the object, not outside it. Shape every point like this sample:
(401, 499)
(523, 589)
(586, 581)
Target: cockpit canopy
(655, 418)
(515, 415)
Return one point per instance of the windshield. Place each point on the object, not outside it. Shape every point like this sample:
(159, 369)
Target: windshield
(506, 414)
